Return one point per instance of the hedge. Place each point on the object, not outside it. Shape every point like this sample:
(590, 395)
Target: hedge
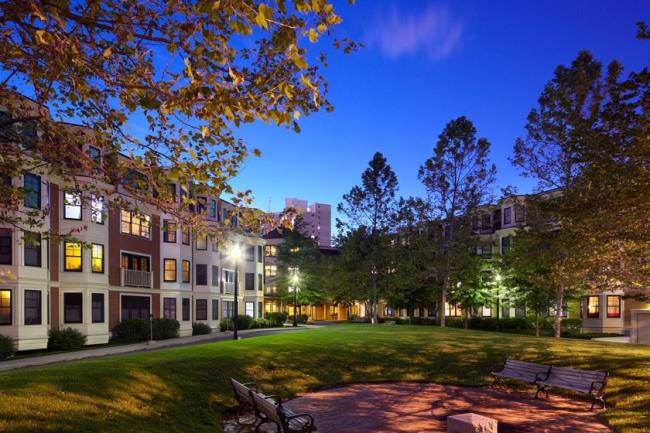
(134, 330)
(7, 347)
(66, 339)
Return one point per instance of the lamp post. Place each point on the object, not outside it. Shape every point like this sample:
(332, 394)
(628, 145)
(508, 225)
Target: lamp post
(235, 256)
(294, 280)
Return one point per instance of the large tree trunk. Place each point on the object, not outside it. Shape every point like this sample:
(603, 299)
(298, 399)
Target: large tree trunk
(443, 302)
(466, 318)
(559, 300)
(536, 323)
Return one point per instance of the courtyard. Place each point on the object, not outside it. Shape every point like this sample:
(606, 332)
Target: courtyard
(186, 389)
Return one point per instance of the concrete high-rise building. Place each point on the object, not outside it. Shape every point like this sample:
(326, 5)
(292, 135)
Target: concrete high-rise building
(317, 219)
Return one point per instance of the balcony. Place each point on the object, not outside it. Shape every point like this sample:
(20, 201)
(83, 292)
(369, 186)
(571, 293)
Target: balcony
(132, 278)
(228, 288)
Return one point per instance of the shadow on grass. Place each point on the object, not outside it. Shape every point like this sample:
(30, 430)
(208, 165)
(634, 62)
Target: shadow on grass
(186, 389)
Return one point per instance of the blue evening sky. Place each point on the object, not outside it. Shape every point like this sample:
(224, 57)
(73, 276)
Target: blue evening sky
(425, 63)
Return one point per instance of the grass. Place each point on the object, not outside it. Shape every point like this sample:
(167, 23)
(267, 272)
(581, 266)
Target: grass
(185, 389)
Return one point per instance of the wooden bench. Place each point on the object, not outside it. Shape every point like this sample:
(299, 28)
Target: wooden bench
(528, 372)
(269, 411)
(583, 381)
(243, 396)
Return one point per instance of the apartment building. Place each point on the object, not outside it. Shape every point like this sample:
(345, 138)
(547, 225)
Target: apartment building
(316, 218)
(614, 311)
(119, 265)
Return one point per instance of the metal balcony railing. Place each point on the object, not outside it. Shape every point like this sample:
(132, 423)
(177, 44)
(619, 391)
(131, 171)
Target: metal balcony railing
(229, 288)
(132, 278)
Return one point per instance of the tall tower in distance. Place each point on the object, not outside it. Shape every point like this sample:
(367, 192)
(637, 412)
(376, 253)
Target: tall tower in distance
(317, 218)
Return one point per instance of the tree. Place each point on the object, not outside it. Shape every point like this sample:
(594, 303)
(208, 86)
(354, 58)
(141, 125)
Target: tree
(457, 178)
(185, 74)
(299, 267)
(369, 211)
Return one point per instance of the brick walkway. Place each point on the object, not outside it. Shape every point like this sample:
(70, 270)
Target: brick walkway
(420, 408)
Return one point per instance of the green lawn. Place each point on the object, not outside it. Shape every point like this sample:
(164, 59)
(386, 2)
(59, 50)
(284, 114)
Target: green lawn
(186, 390)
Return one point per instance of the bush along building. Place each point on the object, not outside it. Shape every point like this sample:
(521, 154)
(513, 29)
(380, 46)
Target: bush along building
(616, 311)
(119, 264)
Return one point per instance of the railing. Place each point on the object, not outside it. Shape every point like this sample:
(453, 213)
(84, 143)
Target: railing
(132, 278)
(228, 288)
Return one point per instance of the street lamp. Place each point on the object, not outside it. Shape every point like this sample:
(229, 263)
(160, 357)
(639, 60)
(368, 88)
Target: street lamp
(235, 256)
(295, 278)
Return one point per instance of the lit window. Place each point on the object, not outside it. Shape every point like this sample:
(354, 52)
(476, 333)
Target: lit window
(613, 306)
(97, 258)
(452, 310)
(186, 271)
(97, 210)
(593, 306)
(202, 242)
(170, 270)
(250, 309)
(487, 311)
(270, 270)
(72, 205)
(270, 250)
(5, 307)
(136, 224)
(72, 256)
(169, 233)
(185, 236)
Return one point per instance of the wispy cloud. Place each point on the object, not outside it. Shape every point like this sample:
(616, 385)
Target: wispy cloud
(434, 32)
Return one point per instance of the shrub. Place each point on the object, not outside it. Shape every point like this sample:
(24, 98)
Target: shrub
(278, 318)
(226, 325)
(244, 322)
(199, 328)
(7, 348)
(303, 318)
(134, 330)
(264, 323)
(66, 339)
(573, 326)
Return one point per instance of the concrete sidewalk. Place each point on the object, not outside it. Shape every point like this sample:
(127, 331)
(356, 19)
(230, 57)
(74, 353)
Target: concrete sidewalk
(142, 347)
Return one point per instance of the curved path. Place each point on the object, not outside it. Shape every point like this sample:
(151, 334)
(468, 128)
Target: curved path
(420, 408)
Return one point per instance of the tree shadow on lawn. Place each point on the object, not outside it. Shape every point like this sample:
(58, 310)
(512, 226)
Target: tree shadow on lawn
(186, 389)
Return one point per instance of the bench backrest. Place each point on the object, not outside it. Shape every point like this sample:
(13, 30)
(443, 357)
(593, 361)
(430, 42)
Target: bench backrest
(267, 407)
(579, 378)
(242, 392)
(525, 368)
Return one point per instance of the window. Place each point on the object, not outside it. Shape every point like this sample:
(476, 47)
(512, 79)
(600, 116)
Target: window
(250, 309)
(135, 307)
(270, 270)
(202, 242)
(200, 204)
(169, 308)
(186, 309)
(72, 205)
(593, 306)
(452, 310)
(5, 307)
(97, 258)
(613, 306)
(32, 190)
(33, 307)
(6, 247)
(215, 247)
(213, 209)
(215, 309)
(215, 276)
(228, 309)
(135, 262)
(520, 213)
(72, 256)
(201, 275)
(186, 271)
(260, 282)
(95, 156)
(486, 251)
(169, 232)
(169, 266)
(270, 250)
(250, 253)
(486, 311)
(97, 210)
(136, 224)
(271, 289)
(249, 281)
(97, 300)
(185, 236)
(228, 276)
(507, 215)
(72, 308)
(505, 244)
(260, 310)
(32, 249)
(201, 309)
(389, 312)
(259, 254)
